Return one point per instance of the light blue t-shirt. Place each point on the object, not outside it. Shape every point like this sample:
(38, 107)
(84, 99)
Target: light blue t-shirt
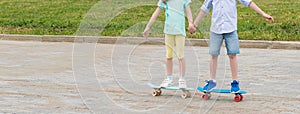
(175, 18)
(224, 14)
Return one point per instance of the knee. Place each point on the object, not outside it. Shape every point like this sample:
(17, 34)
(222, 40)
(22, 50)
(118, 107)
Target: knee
(232, 56)
(180, 54)
(214, 57)
(169, 59)
(180, 59)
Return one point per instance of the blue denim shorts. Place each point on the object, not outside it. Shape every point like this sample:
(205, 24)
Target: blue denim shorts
(231, 42)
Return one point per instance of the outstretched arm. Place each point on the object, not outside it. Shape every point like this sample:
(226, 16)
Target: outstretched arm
(151, 21)
(253, 6)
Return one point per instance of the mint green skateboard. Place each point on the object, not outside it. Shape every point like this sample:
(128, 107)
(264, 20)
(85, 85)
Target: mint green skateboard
(158, 90)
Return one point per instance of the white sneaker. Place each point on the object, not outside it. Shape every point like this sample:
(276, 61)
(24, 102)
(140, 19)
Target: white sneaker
(182, 83)
(167, 82)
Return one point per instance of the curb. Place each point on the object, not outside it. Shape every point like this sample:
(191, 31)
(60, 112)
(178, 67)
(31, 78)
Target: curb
(150, 41)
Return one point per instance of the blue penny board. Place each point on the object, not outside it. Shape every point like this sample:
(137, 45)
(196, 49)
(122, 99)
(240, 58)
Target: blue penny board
(222, 90)
(168, 88)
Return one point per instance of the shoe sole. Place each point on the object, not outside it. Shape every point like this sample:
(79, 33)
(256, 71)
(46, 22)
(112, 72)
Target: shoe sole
(235, 92)
(209, 90)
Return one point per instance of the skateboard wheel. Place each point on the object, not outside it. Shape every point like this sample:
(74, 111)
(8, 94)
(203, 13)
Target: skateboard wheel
(242, 97)
(156, 92)
(205, 97)
(159, 92)
(186, 94)
(238, 98)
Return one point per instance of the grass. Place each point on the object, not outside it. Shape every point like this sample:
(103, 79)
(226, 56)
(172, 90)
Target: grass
(51, 17)
(133, 21)
(63, 17)
(286, 26)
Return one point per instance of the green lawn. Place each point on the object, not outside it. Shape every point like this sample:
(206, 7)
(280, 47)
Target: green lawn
(63, 17)
(51, 17)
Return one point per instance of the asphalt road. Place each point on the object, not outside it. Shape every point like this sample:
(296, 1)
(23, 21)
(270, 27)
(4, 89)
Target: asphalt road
(44, 77)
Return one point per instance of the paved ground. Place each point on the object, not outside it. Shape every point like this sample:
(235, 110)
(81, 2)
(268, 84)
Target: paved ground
(42, 77)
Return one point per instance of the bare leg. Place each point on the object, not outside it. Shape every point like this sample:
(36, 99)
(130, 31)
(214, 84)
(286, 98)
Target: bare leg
(233, 66)
(169, 64)
(213, 66)
(181, 67)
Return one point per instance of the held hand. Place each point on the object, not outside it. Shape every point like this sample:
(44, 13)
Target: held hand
(270, 18)
(146, 32)
(192, 29)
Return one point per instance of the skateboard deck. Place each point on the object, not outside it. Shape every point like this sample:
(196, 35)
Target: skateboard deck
(168, 88)
(222, 91)
(158, 90)
(238, 96)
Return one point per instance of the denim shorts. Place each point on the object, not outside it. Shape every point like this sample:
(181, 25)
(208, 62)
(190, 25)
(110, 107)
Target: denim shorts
(231, 42)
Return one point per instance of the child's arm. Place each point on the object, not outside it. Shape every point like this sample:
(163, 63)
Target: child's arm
(253, 6)
(203, 11)
(190, 19)
(151, 21)
(198, 19)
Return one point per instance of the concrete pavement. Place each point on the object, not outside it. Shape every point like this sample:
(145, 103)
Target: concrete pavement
(63, 77)
(152, 41)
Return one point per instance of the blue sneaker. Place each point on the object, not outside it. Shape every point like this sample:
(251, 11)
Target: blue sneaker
(211, 84)
(235, 86)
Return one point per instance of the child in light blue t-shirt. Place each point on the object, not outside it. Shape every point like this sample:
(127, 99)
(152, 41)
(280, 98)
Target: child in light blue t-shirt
(175, 34)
